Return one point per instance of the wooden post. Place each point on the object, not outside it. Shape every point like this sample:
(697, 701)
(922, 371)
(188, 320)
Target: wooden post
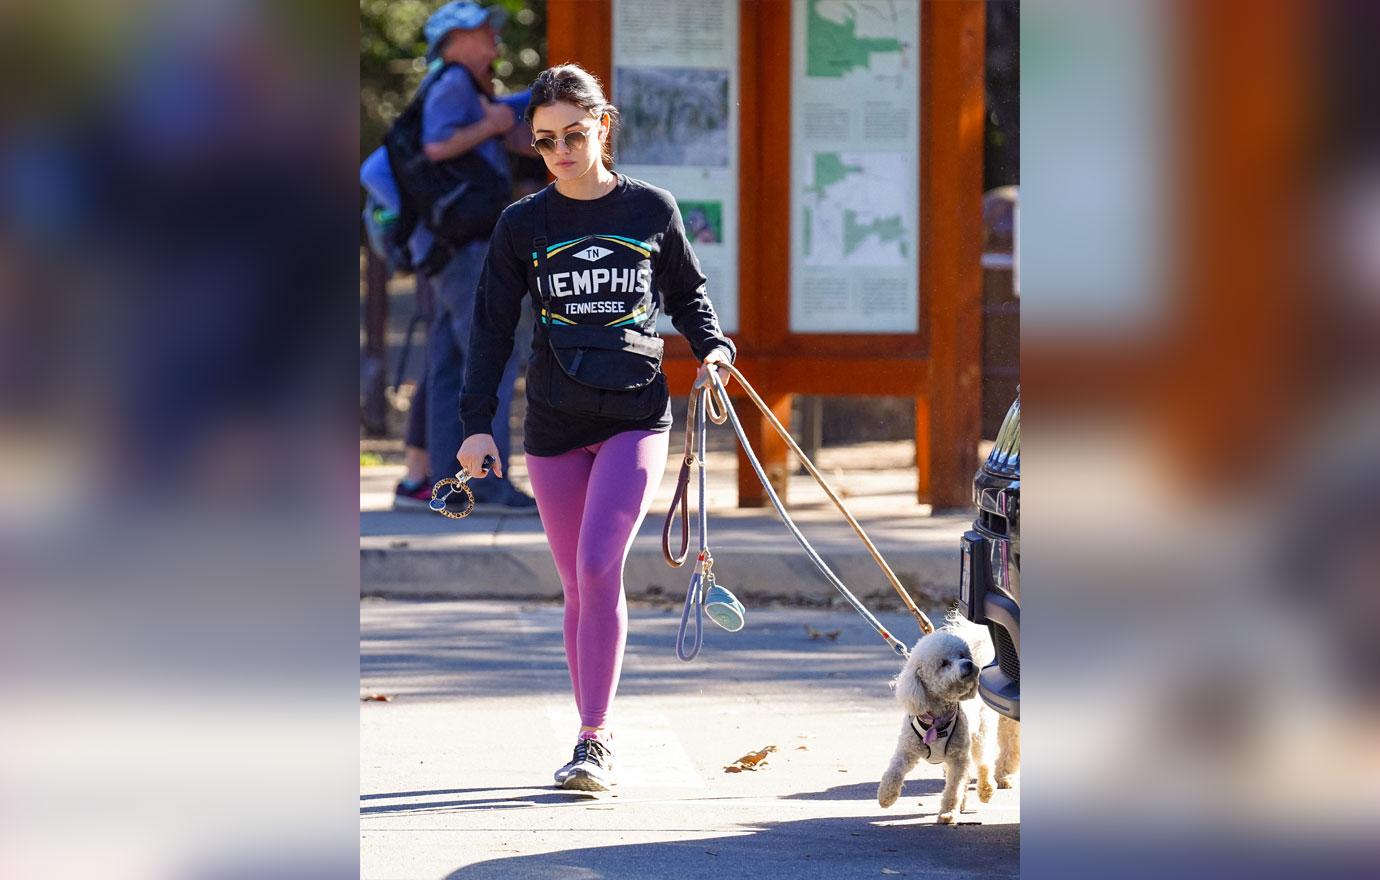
(951, 129)
(770, 448)
(764, 196)
(581, 31)
(923, 482)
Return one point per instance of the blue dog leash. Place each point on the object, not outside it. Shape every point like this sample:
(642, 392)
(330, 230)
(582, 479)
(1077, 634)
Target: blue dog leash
(707, 397)
(704, 595)
(694, 595)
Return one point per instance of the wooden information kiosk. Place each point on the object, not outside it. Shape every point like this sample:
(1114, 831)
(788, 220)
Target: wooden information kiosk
(827, 158)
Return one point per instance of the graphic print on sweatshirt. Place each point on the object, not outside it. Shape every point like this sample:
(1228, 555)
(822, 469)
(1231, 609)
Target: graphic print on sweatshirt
(597, 279)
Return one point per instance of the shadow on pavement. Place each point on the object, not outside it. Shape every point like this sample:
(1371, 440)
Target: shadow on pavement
(802, 850)
(470, 652)
(435, 791)
(484, 799)
(861, 791)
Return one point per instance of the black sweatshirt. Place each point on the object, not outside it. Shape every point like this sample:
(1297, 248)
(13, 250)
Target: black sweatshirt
(611, 260)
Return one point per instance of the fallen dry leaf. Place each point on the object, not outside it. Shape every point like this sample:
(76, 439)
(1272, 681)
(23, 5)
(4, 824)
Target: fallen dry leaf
(802, 748)
(833, 636)
(376, 698)
(750, 761)
(812, 632)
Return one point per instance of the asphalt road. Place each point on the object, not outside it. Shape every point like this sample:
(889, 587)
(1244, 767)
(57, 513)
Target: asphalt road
(456, 768)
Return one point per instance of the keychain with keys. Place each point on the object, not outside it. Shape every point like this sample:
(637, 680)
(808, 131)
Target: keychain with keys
(452, 485)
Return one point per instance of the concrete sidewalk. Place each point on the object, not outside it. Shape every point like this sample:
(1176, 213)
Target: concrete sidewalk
(497, 555)
(456, 768)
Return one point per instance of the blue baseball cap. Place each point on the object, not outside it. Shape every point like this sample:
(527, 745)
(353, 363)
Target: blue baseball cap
(461, 15)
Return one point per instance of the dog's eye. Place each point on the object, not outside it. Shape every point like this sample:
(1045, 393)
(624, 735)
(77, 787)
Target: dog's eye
(943, 663)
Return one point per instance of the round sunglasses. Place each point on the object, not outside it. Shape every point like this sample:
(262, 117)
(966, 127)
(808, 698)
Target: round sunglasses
(573, 141)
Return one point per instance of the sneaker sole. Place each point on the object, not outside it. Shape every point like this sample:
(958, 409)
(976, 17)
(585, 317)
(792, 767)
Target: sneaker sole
(584, 782)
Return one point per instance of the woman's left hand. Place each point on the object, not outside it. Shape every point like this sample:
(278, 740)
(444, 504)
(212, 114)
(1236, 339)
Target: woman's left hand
(717, 356)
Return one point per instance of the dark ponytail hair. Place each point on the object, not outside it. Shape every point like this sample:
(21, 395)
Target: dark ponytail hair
(573, 84)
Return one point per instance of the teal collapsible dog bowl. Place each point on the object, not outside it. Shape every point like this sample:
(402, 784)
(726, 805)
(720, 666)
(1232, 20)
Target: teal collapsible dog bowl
(724, 608)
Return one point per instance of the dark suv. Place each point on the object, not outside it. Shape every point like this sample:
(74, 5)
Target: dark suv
(990, 581)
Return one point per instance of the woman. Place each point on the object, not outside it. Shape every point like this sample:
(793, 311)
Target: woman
(610, 253)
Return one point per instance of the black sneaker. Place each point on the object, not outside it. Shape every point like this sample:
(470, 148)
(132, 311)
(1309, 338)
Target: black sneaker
(593, 767)
(412, 496)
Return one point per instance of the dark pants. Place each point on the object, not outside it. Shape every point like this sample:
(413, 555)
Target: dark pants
(416, 418)
(455, 287)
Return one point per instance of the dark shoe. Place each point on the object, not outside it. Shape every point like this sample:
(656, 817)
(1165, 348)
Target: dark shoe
(593, 767)
(412, 496)
(502, 498)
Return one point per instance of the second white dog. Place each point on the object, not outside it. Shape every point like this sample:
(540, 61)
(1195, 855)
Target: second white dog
(947, 724)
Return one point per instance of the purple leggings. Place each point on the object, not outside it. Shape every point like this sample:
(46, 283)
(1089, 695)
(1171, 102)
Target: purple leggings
(592, 501)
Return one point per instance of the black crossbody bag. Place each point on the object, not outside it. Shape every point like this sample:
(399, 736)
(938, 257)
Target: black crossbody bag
(605, 372)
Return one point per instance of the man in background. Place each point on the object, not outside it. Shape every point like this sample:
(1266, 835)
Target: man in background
(460, 115)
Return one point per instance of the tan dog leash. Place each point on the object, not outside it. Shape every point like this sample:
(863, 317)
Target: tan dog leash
(720, 410)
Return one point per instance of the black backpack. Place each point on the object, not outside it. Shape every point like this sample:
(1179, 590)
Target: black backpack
(458, 199)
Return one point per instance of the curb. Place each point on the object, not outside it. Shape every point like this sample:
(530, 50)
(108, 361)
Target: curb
(929, 574)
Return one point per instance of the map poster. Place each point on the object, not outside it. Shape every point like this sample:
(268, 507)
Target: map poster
(675, 82)
(855, 166)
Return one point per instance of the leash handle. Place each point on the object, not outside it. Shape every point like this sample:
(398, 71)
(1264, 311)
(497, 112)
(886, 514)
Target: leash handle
(715, 400)
(694, 601)
(695, 441)
(680, 500)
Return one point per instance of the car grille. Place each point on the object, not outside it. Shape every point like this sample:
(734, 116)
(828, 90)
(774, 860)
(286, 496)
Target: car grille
(1007, 659)
(992, 522)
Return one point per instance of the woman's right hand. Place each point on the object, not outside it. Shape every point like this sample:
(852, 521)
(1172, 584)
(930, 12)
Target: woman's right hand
(472, 453)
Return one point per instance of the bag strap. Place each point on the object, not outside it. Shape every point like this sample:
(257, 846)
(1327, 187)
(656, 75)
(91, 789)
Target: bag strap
(539, 249)
(539, 212)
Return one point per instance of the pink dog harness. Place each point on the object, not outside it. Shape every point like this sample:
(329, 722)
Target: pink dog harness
(934, 733)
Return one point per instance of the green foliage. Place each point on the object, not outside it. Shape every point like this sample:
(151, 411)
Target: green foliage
(392, 56)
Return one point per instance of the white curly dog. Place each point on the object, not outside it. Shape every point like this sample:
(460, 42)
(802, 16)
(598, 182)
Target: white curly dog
(946, 723)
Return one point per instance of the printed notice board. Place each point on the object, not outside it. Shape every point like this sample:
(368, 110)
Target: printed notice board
(855, 175)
